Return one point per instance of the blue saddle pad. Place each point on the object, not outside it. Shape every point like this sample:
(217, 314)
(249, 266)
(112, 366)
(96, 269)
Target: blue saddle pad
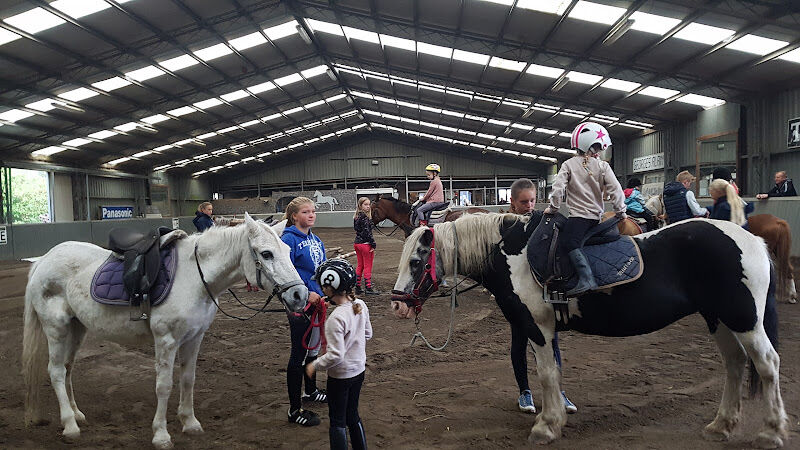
(107, 287)
(615, 263)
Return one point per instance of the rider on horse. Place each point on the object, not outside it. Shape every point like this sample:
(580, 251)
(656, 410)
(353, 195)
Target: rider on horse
(634, 201)
(582, 180)
(433, 198)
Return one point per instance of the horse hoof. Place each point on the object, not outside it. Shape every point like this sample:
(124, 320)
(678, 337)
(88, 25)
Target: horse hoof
(792, 300)
(193, 430)
(711, 434)
(163, 445)
(768, 440)
(72, 435)
(80, 418)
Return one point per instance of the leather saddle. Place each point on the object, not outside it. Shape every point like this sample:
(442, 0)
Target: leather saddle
(437, 214)
(142, 262)
(549, 262)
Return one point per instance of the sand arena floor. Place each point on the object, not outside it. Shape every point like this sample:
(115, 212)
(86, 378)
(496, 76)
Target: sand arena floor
(655, 391)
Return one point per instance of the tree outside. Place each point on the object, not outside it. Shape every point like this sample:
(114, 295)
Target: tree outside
(29, 196)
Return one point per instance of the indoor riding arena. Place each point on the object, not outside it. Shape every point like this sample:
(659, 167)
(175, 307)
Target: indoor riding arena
(178, 179)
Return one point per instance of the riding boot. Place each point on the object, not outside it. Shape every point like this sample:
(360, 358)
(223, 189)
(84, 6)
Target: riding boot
(310, 382)
(338, 436)
(357, 436)
(586, 280)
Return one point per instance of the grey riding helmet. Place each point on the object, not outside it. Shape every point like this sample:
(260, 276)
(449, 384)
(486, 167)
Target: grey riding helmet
(336, 273)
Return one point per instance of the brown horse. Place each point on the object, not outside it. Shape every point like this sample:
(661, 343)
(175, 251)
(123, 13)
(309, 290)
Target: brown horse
(399, 212)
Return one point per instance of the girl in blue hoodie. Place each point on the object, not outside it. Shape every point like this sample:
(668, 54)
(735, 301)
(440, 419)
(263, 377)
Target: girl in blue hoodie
(307, 253)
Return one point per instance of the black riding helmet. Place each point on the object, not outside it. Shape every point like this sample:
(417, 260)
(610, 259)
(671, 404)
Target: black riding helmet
(721, 173)
(336, 273)
(634, 183)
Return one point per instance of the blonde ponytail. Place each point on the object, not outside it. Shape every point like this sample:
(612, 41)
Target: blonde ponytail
(737, 208)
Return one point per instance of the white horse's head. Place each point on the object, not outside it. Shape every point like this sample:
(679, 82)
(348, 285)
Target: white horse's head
(317, 194)
(419, 270)
(267, 262)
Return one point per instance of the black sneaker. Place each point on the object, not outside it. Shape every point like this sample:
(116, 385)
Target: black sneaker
(359, 291)
(370, 291)
(320, 396)
(304, 418)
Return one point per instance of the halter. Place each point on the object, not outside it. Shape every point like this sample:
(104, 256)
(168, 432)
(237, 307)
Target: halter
(426, 285)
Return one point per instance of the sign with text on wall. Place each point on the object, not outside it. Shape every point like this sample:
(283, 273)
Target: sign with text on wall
(648, 163)
(116, 212)
(794, 133)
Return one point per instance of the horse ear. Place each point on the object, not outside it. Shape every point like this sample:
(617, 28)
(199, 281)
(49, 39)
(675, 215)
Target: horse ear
(427, 238)
(252, 227)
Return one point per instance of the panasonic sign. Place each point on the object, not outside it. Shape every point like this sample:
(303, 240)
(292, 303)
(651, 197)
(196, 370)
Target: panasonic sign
(116, 212)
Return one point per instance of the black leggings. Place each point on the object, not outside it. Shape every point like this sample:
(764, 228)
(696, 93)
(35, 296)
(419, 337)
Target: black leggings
(574, 231)
(519, 355)
(343, 396)
(298, 359)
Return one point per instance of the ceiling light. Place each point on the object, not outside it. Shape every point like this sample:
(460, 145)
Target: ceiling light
(314, 71)
(361, 35)
(263, 87)
(126, 126)
(793, 56)
(80, 8)
(288, 79)
(564, 134)
(79, 94)
(701, 100)
(618, 31)
(584, 78)
(103, 134)
(435, 50)
(210, 103)
(145, 73)
(42, 105)
(282, 30)
(118, 161)
(48, 151)
(178, 63)
(77, 142)
(471, 57)
(111, 84)
(651, 23)
(235, 95)
(506, 64)
(325, 27)
(548, 6)
(142, 154)
(655, 91)
(756, 45)
(545, 71)
(213, 52)
(14, 115)
(546, 131)
(560, 83)
(644, 124)
(182, 111)
(248, 41)
(162, 148)
(34, 20)
(704, 34)
(396, 42)
(595, 12)
(620, 85)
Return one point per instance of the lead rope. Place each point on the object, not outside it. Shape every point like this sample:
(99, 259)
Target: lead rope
(453, 302)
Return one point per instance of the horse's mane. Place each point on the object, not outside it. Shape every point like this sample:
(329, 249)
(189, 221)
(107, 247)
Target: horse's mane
(399, 205)
(477, 234)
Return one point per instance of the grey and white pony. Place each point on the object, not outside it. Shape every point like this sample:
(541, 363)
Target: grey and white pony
(712, 267)
(59, 310)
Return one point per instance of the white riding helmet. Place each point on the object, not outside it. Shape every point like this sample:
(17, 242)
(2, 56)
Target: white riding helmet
(589, 133)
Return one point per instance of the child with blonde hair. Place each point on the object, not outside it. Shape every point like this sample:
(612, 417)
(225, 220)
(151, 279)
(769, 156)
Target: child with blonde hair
(727, 203)
(364, 245)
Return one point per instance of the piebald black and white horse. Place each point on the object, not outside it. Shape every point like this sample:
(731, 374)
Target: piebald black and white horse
(712, 267)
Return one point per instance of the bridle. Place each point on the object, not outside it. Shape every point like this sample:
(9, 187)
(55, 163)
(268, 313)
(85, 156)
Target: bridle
(426, 285)
(278, 289)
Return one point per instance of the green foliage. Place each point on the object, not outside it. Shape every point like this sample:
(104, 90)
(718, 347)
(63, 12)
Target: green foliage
(29, 196)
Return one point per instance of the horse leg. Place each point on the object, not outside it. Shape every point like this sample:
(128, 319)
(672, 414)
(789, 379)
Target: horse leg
(188, 360)
(792, 289)
(59, 342)
(553, 417)
(730, 407)
(166, 348)
(767, 363)
(78, 332)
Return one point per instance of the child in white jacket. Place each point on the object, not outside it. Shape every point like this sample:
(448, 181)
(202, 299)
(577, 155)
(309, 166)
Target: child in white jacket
(347, 329)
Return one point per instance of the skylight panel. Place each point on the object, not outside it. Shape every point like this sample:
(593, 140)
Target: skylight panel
(232, 163)
(583, 78)
(655, 91)
(142, 154)
(155, 119)
(282, 30)
(182, 142)
(111, 84)
(571, 114)
(145, 73)
(7, 36)
(630, 125)
(271, 117)
(619, 85)
(471, 57)
(564, 134)
(213, 52)
(77, 142)
(293, 110)
(325, 27)
(224, 130)
(14, 115)
(501, 2)
(506, 64)
(595, 12)
(163, 147)
(396, 42)
(248, 41)
(288, 79)
(522, 126)
(182, 111)
(704, 34)
(545, 71)
(235, 95)
(34, 21)
(79, 8)
(263, 87)
(435, 50)
(502, 123)
(125, 127)
(178, 63)
(103, 134)
(644, 124)
(118, 161)
(361, 35)
(701, 100)
(546, 131)
(48, 150)
(199, 173)
(756, 45)
(210, 103)
(651, 23)
(793, 56)
(207, 135)
(79, 94)
(314, 71)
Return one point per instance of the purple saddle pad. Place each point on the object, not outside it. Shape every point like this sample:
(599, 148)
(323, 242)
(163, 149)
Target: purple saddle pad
(108, 289)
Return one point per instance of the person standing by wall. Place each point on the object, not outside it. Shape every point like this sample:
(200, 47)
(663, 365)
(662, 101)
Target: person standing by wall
(783, 187)
(202, 218)
(364, 245)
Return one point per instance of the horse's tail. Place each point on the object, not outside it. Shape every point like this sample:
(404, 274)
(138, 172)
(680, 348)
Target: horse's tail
(770, 323)
(34, 354)
(783, 246)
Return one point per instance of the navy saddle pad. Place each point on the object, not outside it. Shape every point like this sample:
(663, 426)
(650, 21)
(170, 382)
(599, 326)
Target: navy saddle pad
(107, 286)
(614, 259)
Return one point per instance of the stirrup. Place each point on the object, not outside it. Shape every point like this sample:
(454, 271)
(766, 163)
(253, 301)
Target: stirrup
(144, 309)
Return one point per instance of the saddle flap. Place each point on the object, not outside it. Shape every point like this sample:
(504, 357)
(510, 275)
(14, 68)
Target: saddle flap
(542, 249)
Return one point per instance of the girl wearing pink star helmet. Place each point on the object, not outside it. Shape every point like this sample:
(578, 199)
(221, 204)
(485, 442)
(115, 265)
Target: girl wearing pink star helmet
(582, 182)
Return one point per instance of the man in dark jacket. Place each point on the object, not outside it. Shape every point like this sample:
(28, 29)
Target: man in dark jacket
(202, 218)
(679, 201)
(783, 187)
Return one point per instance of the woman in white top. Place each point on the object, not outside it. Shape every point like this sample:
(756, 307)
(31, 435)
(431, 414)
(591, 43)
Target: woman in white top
(346, 331)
